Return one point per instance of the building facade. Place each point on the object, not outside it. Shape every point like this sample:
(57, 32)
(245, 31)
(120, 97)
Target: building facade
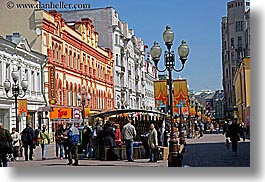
(75, 63)
(242, 88)
(16, 54)
(150, 75)
(75, 60)
(235, 46)
(128, 51)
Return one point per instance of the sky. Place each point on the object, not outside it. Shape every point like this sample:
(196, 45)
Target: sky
(197, 22)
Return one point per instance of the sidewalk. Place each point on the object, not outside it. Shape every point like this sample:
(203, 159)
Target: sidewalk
(52, 161)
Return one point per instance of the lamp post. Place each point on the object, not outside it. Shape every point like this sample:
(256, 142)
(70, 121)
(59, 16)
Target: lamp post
(16, 91)
(169, 60)
(83, 102)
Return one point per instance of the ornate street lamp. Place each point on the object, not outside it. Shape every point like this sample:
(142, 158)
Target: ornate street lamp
(83, 97)
(16, 91)
(169, 60)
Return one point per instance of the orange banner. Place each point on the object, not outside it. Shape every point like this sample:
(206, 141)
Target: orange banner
(87, 111)
(22, 107)
(181, 97)
(160, 91)
(65, 113)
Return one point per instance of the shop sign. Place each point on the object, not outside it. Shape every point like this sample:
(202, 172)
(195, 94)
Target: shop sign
(52, 82)
(52, 101)
(76, 113)
(65, 113)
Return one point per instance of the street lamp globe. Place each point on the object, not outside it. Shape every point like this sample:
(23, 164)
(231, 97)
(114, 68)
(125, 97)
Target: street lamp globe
(7, 85)
(183, 51)
(15, 75)
(78, 96)
(168, 36)
(88, 96)
(155, 52)
(24, 85)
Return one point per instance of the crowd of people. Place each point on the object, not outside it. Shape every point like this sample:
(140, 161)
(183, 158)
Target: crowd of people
(93, 138)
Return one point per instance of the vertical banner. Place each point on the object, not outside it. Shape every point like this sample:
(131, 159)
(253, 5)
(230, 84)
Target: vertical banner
(87, 111)
(52, 93)
(22, 107)
(160, 91)
(181, 97)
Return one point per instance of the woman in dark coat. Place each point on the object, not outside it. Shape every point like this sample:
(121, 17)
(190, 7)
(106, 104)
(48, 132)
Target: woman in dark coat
(109, 141)
(109, 136)
(233, 133)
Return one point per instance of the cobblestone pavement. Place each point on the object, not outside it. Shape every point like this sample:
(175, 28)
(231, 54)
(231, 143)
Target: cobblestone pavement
(208, 151)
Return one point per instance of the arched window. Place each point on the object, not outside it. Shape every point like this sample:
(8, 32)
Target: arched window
(71, 95)
(75, 97)
(70, 58)
(67, 95)
(60, 55)
(74, 61)
(66, 57)
(59, 93)
(78, 62)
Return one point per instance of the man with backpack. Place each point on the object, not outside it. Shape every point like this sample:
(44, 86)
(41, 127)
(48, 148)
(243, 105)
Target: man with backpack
(73, 138)
(28, 137)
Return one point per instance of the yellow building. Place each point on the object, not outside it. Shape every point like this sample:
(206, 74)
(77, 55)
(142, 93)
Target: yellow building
(242, 90)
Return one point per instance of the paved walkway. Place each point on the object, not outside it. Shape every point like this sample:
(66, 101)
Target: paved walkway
(208, 151)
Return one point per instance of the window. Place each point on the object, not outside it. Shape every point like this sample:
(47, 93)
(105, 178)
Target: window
(71, 59)
(32, 81)
(78, 62)
(38, 83)
(239, 41)
(8, 71)
(239, 25)
(116, 39)
(66, 57)
(232, 56)
(224, 44)
(232, 42)
(233, 71)
(117, 59)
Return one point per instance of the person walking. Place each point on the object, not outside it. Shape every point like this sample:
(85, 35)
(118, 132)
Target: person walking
(73, 137)
(66, 140)
(45, 140)
(5, 145)
(225, 127)
(28, 137)
(233, 133)
(15, 143)
(59, 140)
(153, 143)
(128, 135)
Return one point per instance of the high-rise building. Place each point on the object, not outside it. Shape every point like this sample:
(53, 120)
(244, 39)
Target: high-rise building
(235, 46)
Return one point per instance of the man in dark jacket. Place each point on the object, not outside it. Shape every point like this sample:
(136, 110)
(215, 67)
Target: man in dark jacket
(28, 138)
(5, 138)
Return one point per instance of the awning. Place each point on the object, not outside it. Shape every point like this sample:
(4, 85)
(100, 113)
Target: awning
(44, 109)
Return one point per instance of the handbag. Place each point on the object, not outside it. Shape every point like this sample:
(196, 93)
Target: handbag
(159, 154)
